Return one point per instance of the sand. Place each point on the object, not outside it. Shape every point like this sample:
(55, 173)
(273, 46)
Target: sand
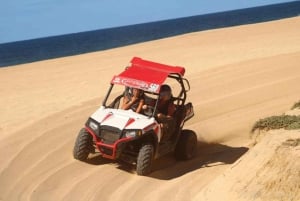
(237, 75)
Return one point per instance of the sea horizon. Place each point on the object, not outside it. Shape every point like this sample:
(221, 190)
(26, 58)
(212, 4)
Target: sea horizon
(26, 51)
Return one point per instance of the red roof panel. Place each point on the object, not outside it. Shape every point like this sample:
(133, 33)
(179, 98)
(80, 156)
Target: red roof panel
(146, 75)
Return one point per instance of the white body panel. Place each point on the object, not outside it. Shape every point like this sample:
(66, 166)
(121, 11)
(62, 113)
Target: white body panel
(125, 119)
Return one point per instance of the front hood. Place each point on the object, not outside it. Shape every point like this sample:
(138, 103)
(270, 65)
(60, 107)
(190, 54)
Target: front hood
(122, 119)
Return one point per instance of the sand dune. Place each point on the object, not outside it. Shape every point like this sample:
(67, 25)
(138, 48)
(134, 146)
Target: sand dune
(270, 171)
(237, 75)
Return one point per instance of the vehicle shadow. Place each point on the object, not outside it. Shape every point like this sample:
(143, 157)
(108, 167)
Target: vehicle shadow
(167, 167)
(97, 159)
(207, 155)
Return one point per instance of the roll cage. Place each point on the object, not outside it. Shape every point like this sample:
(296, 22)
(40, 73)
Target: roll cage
(149, 76)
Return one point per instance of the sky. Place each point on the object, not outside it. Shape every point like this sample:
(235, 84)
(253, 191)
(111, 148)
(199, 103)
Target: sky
(29, 19)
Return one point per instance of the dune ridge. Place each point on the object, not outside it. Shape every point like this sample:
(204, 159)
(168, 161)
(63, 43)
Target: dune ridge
(269, 175)
(237, 76)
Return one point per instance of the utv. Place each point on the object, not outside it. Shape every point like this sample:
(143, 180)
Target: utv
(135, 138)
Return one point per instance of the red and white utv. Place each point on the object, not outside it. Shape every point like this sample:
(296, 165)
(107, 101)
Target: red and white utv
(133, 137)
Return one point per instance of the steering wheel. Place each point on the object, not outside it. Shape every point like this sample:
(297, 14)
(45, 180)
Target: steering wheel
(148, 110)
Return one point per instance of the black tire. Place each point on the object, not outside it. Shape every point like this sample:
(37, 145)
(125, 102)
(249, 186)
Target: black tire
(186, 145)
(83, 145)
(144, 159)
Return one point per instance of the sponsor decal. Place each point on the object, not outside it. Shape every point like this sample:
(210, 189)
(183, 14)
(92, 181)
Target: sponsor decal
(152, 87)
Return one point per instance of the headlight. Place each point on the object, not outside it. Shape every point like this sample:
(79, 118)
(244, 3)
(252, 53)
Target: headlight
(133, 133)
(93, 125)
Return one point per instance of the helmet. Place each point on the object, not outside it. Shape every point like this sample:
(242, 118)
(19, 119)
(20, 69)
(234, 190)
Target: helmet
(165, 90)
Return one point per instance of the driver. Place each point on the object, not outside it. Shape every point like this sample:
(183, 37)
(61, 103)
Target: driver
(134, 100)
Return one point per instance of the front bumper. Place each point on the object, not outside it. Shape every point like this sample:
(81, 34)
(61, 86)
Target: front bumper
(112, 150)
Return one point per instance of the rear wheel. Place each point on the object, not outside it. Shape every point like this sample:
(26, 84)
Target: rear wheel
(186, 145)
(83, 145)
(144, 160)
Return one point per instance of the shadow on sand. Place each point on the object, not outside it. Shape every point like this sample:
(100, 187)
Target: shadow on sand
(96, 159)
(207, 155)
(167, 168)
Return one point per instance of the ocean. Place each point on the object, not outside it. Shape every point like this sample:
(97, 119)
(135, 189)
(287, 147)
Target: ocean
(20, 52)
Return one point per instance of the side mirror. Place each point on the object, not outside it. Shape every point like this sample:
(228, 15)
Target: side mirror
(186, 84)
(189, 111)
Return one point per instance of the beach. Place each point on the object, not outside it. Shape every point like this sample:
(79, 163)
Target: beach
(237, 75)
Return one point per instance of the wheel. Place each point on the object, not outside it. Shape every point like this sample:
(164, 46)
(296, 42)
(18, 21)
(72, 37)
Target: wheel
(144, 160)
(83, 145)
(186, 145)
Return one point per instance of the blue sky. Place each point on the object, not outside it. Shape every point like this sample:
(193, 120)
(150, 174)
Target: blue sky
(28, 19)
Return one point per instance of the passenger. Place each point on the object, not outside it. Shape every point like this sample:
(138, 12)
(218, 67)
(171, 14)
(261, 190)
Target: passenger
(165, 106)
(134, 100)
(166, 109)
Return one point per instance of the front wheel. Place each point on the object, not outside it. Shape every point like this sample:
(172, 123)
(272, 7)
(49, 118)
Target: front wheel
(186, 145)
(83, 145)
(144, 160)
